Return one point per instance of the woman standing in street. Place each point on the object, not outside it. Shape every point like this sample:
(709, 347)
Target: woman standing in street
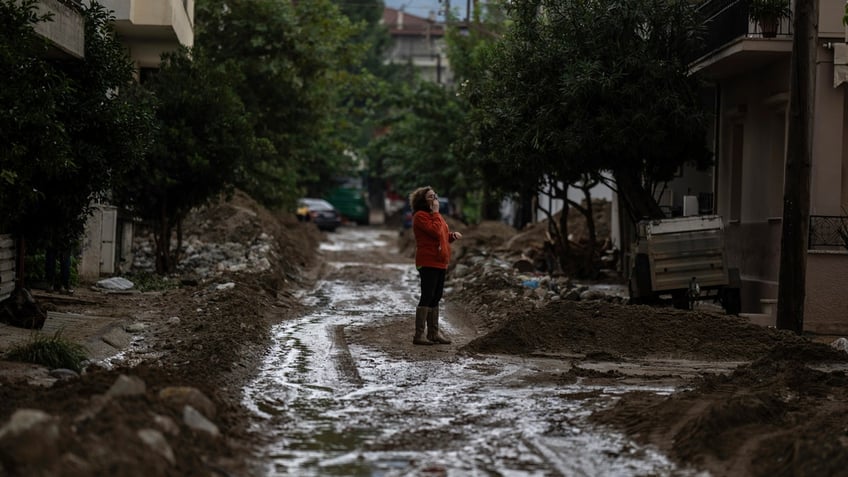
(432, 255)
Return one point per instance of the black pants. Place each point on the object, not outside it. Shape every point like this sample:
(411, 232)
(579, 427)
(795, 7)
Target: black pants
(432, 286)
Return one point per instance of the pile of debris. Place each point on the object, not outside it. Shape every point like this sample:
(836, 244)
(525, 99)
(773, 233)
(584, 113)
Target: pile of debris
(494, 267)
(231, 236)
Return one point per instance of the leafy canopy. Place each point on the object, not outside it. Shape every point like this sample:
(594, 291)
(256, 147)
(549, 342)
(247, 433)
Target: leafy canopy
(577, 88)
(291, 62)
(66, 128)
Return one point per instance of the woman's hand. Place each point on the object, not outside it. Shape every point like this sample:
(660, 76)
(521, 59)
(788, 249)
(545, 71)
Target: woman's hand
(455, 236)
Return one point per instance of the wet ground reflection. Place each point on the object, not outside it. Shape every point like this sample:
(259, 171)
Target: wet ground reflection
(329, 408)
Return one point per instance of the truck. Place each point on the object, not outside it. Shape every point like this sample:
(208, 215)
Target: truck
(683, 258)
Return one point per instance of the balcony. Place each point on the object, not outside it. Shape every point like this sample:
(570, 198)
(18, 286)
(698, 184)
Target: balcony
(66, 32)
(164, 21)
(733, 43)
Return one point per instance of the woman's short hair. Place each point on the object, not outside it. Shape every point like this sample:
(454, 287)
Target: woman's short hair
(418, 199)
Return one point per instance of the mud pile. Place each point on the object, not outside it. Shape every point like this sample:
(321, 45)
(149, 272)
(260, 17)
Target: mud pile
(191, 346)
(783, 413)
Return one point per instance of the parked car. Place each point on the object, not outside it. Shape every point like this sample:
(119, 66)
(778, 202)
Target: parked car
(406, 213)
(320, 212)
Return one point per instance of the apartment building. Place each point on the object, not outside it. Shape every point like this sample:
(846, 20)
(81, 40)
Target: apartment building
(419, 42)
(149, 28)
(749, 74)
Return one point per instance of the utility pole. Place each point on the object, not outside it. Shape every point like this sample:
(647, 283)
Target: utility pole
(796, 189)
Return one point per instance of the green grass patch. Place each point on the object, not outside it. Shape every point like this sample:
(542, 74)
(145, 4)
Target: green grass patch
(53, 352)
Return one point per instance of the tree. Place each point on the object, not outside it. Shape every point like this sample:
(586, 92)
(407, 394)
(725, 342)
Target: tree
(202, 137)
(576, 89)
(291, 61)
(416, 151)
(32, 137)
(68, 128)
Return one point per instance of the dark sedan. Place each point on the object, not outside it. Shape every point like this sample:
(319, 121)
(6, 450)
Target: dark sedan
(320, 212)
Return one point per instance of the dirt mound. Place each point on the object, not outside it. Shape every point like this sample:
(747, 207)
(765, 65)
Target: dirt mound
(632, 331)
(241, 219)
(207, 336)
(769, 418)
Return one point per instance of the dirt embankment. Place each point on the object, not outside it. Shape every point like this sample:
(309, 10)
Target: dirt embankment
(196, 344)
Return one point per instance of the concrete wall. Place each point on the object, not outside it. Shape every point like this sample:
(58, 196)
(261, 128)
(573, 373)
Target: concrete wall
(165, 21)
(751, 162)
(826, 304)
(754, 248)
(66, 31)
(829, 135)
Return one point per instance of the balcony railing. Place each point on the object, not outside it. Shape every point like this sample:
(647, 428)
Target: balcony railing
(727, 20)
(828, 231)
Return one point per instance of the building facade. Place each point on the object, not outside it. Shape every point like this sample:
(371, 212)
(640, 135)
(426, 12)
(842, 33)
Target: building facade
(749, 74)
(419, 42)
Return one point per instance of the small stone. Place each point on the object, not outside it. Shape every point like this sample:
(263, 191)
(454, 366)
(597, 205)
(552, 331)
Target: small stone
(197, 421)
(156, 441)
(127, 386)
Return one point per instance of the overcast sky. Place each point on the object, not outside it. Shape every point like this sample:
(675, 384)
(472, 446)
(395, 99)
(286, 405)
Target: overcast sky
(422, 8)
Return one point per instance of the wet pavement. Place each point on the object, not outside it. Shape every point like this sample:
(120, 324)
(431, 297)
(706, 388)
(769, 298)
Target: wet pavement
(327, 405)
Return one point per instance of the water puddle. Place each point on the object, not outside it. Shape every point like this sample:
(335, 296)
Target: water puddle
(329, 407)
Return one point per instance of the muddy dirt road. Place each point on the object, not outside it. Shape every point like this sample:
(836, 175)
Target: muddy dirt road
(343, 392)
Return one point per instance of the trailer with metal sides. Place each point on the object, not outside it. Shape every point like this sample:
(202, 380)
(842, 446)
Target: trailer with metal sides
(683, 259)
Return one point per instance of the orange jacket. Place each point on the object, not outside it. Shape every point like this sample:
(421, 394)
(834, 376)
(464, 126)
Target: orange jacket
(432, 240)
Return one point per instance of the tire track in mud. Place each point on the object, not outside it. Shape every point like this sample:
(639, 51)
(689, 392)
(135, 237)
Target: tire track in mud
(344, 360)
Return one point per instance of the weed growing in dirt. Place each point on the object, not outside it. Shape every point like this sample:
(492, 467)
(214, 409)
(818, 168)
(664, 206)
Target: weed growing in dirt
(53, 352)
(146, 281)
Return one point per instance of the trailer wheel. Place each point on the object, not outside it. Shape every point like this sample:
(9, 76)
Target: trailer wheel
(680, 299)
(731, 300)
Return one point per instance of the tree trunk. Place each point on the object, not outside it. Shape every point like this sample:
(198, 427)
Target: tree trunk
(179, 249)
(796, 194)
(162, 237)
(491, 209)
(565, 259)
(638, 201)
(593, 238)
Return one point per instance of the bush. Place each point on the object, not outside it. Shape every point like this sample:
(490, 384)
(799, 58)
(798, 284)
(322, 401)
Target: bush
(53, 352)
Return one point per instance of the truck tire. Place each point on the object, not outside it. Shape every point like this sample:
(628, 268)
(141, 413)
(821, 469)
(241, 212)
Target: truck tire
(680, 299)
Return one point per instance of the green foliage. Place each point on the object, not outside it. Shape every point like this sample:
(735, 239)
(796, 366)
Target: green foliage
(416, 151)
(145, 282)
(291, 61)
(35, 263)
(53, 352)
(768, 9)
(32, 137)
(578, 88)
(202, 139)
(62, 126)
